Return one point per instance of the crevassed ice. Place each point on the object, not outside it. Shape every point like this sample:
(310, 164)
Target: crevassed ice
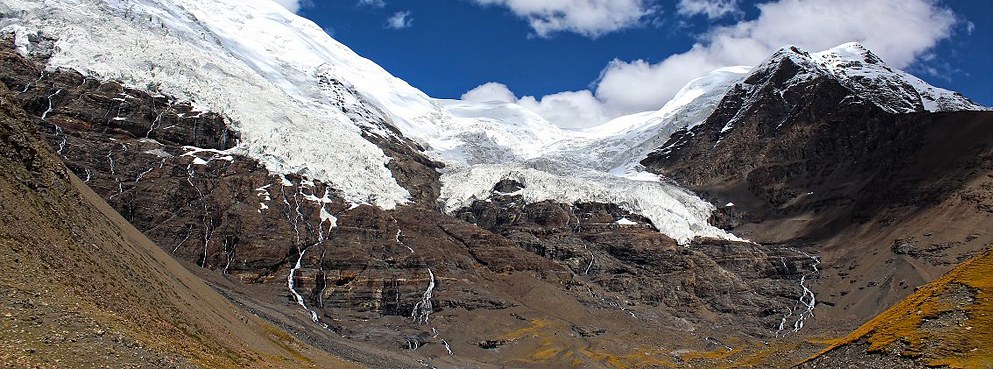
(674, 211)
(618, 145)
(598, 164)
(263, 67)
(251, 61)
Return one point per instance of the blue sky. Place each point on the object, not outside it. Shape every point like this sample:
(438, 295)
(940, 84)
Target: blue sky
(612, 57)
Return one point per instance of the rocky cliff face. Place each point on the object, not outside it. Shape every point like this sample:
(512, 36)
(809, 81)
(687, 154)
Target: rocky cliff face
(80, 287)
(409, 278)
(803, 156)
(846, 172)
(631, 258)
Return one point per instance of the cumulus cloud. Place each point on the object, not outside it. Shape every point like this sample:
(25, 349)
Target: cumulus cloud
(713, 9)
(570, 109)
(491, 91)
(638, 85)
(373, 3)
(591, 18)
(400, 20)
(899, 31)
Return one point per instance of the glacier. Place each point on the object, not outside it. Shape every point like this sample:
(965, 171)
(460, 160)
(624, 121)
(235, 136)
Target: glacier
(301, 101)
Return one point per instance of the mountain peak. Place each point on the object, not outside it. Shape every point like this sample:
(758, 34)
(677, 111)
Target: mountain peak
(791, 50)
(849, 52)
(864, 73)
(792, 53)
(853, 51)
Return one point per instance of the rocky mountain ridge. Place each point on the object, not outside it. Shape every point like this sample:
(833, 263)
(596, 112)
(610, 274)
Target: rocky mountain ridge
(444, 245)
(888, 200)
(295, 247)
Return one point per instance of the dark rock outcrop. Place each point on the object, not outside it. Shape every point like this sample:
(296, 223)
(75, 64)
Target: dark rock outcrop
(808, 160)
(776, 146)
(704, 279)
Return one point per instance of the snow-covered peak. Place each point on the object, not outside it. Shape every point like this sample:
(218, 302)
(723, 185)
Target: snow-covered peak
(866, 73)
(863, 72)
(849, 52)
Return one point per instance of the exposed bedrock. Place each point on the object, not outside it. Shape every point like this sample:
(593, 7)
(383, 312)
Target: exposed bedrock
(167, 169)
(889, 200)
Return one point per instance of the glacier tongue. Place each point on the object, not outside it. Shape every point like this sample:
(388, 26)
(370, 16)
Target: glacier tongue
(675, 212)
(505, 141)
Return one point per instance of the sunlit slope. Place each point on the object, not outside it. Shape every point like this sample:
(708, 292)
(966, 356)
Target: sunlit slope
(948, 322)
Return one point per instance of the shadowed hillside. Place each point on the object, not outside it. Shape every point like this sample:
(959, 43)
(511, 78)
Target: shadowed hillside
(80, 287)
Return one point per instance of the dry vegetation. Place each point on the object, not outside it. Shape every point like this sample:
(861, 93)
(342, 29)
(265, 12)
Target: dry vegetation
(948, 322)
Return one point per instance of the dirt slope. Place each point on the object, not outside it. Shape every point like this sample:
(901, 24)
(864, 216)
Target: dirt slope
(948, 322)
(80, 287)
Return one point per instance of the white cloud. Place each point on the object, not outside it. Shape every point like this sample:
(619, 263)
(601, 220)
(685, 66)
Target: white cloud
(291, 5)
(570, 109)
(400, 20)
(899, 31)
(627, 87)
(713, 9)
(590, 18)
(491, 91)
(373, 3)
(896, 30)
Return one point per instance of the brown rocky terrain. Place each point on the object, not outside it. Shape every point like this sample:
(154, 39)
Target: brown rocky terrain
(80, 287)
(502, 283)
(846, 202)
(749, 282)
(888, 201)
